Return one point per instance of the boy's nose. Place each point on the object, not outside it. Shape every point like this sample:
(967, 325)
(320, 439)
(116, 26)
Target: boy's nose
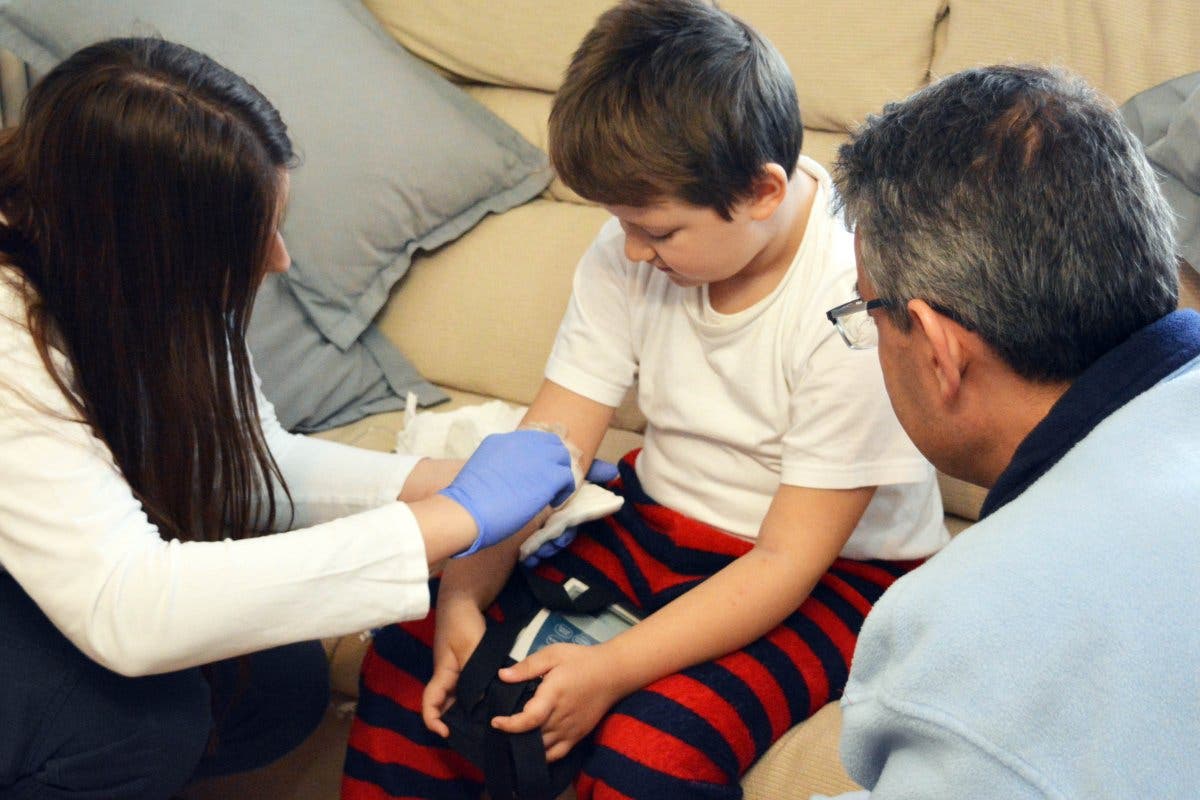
(638, 249)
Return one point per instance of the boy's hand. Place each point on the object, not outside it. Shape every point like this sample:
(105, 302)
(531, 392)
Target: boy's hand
(460, 627)
(577, 690)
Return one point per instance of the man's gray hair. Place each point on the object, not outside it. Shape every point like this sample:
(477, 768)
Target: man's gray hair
(1014, 200)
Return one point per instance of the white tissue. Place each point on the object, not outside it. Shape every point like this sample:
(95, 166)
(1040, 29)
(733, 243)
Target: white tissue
(456, 434)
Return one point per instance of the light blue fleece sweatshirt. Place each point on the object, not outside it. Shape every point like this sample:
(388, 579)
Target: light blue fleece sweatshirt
(1052, 650)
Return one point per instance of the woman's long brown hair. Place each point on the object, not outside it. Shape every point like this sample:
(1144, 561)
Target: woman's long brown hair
(140, 196)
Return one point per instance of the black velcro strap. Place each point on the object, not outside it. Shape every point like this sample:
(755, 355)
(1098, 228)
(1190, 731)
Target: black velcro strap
(553, 595)
(514, 765)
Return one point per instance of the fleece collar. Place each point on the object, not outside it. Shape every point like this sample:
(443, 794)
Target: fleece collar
(1121, 374)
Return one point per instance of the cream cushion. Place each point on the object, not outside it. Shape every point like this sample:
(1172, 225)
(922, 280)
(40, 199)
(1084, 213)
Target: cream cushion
(526, 43)
(847, 59)
(1157, 40)
(512, 279)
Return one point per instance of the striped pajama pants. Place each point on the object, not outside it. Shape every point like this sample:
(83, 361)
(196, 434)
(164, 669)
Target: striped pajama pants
(692, 734)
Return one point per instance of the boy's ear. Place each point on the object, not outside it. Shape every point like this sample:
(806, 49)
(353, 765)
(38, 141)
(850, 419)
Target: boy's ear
(948, 357)
(767, 191)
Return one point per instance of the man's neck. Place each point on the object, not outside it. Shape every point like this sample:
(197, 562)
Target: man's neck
(1010, 415)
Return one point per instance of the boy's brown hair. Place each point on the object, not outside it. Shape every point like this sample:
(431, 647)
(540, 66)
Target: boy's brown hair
(673, 98)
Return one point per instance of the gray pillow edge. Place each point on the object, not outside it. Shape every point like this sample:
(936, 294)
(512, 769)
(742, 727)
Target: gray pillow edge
(24, 45)
(366, 306)
(397, 372)
(355, 312)
(1149, 114)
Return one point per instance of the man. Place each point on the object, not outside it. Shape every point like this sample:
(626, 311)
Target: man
(1018, 272)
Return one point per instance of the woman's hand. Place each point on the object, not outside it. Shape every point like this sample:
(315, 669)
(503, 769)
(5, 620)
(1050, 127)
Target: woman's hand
(460, 626)
(508, 480)
(577, 690)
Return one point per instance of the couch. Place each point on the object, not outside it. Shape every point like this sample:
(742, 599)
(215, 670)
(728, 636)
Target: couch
(477, 316)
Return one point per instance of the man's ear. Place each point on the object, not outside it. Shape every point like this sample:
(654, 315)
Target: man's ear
(769, 189)
(949, 356)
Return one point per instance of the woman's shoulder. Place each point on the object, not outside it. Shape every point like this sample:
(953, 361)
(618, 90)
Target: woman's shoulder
(18, 350)
(14, 298)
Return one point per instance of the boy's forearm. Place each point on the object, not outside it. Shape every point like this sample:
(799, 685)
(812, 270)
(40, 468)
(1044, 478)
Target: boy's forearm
(739, 604)
(478, 578)
(800, 538)
(584, 420)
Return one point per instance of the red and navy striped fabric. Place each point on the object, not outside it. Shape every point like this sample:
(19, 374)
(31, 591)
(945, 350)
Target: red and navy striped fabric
(692, 734)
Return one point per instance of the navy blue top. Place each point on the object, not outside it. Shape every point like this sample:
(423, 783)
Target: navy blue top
(1120, 375)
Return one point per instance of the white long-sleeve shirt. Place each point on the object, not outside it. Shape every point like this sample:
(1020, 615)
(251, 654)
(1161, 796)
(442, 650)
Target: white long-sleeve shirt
(77, 540)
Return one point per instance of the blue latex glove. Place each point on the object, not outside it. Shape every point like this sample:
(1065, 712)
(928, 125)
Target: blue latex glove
(602, 471)
(551, 547)
(599, 472)
(509, 479)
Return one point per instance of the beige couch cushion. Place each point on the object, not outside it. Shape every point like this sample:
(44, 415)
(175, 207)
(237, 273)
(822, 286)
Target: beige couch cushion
(525, 43)
(1189, 288)
(1119, 48)
(528, 44)
(512, 278)
(803, 761)
(847, 59)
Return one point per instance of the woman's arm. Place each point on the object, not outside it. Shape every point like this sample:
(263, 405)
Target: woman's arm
(77, 539)
(328, 480)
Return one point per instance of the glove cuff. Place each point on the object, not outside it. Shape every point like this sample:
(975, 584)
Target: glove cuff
(452, 493)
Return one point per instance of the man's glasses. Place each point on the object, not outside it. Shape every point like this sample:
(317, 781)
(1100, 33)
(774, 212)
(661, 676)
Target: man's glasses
(853, 321)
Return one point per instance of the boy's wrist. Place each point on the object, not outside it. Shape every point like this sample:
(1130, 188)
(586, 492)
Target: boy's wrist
(622, 664)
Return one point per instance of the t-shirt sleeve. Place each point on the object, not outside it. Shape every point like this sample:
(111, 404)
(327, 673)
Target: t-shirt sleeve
(842, 431)
(594, 352)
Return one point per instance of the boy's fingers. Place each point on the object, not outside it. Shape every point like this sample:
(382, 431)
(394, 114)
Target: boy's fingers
(436, 725)
(433, 702)
(531, 667)
(556, 751)
(431, 714)
(534, 715)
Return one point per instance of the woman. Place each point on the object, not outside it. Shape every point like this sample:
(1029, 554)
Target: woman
(140, 202)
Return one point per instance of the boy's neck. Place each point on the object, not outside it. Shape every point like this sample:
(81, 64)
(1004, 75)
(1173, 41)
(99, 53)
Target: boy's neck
(760, 277)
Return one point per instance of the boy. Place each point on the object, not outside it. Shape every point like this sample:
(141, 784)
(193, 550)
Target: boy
(771, 454)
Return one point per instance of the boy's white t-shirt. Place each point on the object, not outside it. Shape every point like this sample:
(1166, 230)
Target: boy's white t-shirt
(738, 403)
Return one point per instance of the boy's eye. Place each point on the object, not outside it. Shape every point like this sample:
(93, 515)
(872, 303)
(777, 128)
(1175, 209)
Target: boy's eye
(660, 237)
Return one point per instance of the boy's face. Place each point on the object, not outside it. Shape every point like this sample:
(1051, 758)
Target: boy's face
(693, 245)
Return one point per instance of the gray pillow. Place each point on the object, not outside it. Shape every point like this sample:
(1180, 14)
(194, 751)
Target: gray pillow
(1167, 120)
(313, 383)
(395, 158)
